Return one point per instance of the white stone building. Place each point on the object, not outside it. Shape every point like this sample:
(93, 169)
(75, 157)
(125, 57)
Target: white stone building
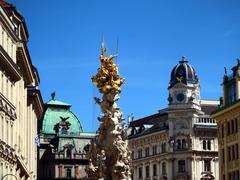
(20, 100)
(179, 142)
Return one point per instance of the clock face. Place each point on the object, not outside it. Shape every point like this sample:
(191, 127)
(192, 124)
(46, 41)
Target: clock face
(180, 97)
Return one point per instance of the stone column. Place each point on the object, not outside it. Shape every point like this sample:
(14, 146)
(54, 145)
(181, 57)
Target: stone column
(109, 155)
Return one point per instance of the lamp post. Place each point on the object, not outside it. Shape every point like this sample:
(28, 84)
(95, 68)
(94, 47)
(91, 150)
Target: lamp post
(9, 175)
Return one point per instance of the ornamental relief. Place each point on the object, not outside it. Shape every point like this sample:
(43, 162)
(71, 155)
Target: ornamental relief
(7, 109)
(7, 153)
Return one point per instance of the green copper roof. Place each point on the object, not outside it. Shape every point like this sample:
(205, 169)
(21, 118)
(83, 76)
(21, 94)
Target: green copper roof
(54, 102)
(54, 111)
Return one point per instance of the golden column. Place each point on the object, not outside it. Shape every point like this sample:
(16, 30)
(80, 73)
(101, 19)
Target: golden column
(109, 155)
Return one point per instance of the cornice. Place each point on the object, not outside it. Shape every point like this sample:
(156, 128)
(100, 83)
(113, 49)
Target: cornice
(25, 65)
(7, 24)
(35, 98)
(9, 66)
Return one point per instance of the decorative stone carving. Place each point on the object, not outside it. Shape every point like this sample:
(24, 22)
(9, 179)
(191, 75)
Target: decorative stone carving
(109, 155)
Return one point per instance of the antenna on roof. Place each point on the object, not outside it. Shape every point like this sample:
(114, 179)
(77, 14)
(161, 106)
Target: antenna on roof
(116, 54)
(130, 118)
(103, 49)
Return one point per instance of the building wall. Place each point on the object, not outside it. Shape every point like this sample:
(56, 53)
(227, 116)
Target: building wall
(229, 142)
(18, 118)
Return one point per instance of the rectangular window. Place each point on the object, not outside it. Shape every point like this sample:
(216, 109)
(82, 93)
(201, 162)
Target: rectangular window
(147, 171)
(140, 153)
(163, 147)
(207, 165)
(237, 175)
(140, 173)
(164, 168)
(68, 172)
(228, 127)
(229, 153)
(223, 156)
(232, 127)
(147, 152)
(154, 150)
(233, 152)
(236, 125)
(231, 93)
(237, 152)
(222, 130)
(181, 165)
(154, 170)
(229, 176)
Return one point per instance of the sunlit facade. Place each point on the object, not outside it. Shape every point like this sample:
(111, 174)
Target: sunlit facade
(20, 100)
(180, 141)
(228, 117)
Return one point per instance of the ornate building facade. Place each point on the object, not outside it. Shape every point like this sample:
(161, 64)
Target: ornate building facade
(63, 144)
(228, 117)
(20, 99)
(180, 141)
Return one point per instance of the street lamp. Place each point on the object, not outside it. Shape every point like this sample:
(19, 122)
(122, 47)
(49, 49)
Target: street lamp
(9, 175)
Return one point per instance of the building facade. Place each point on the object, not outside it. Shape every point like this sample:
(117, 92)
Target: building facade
(180, 141)
(20, 99)
(63, 144)
(228, 117)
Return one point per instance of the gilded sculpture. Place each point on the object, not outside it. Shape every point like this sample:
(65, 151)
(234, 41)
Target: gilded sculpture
(109, 155)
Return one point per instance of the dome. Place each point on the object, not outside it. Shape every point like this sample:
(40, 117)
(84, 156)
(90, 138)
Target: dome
(183, 72)
(55, 112)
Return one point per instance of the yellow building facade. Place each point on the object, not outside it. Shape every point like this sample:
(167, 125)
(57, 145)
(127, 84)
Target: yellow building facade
(228, 117)
(20, 99)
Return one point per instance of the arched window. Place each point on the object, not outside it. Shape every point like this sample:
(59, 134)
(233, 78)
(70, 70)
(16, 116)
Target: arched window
(209, 145)
(204, 145)
(69, 154)
(184, 144)
(64, 130)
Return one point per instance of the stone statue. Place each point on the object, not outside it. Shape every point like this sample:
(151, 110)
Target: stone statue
(109, 155)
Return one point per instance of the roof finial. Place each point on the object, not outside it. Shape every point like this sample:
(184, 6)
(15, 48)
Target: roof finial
(53, 94)
(225, 70)
(184, 60)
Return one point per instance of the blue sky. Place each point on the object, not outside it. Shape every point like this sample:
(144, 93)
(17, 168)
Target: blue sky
(65, 39)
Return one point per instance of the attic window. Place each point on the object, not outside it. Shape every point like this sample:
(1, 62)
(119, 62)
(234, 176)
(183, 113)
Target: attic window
(63, 130)
(69, 154)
